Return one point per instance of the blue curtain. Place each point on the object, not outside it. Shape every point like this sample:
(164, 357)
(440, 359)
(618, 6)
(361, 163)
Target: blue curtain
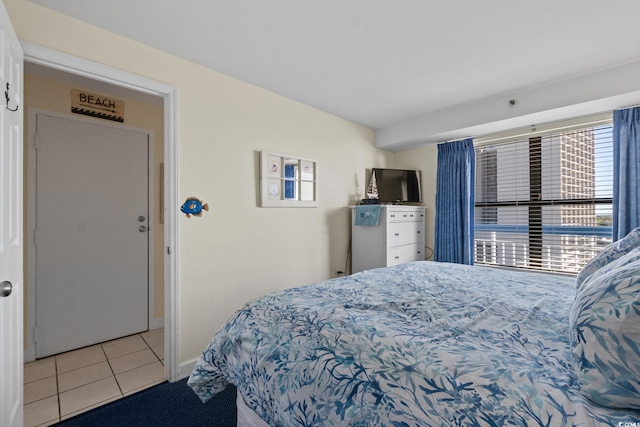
(455, 188)
(626, 171)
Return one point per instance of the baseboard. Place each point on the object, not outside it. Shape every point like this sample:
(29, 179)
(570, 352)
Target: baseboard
(29, 354)
(156, 323)
(185, 368)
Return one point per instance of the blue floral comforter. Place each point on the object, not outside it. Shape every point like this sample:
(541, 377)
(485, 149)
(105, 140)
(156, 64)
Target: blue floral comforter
(419, 344)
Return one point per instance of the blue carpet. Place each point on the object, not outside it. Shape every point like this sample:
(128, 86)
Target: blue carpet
(167, 404)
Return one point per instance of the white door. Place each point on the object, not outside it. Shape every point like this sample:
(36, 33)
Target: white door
(91, 233)
(11, 220)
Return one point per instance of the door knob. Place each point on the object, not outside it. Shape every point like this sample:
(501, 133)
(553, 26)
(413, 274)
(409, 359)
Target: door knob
(141, 218)
(5, 288)
(142, 228)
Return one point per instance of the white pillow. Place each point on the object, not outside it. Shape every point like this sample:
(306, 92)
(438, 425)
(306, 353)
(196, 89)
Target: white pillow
(610, 253)
(605, 333)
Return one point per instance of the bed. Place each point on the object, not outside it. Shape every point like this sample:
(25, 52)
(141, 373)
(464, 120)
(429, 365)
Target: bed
(438, 344)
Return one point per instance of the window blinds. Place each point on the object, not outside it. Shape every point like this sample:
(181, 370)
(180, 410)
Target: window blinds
(543, 200)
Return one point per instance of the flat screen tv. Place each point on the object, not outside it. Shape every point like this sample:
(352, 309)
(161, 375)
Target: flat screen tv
(398, 185)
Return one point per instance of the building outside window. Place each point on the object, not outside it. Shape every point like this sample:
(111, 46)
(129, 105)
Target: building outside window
(543, 201)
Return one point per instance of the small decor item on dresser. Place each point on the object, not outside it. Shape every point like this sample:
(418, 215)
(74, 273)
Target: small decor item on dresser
(372, 192)
(194, 206)
(369, 202)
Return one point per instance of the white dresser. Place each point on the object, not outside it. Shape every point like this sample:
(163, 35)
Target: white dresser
(398, 238)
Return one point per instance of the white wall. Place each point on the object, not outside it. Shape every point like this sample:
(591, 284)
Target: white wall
(235, 251)
(425, 159)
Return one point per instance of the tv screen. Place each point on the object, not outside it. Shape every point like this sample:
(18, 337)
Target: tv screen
(398, 185)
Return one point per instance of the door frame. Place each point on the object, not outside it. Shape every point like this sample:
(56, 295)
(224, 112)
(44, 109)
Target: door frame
(50, 58)
(31, 153)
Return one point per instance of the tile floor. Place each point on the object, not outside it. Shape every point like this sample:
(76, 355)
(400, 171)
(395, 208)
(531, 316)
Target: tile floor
(67, 384)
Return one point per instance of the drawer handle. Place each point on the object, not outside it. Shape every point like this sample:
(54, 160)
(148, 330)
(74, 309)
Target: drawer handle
(397, 257)
(418, 231)
(397, 234)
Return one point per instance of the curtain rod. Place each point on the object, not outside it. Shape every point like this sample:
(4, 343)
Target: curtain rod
(492, 137)
(544, 128)
(629, 106)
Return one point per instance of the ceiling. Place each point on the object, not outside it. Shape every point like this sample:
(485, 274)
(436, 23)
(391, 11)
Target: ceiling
(383, 63)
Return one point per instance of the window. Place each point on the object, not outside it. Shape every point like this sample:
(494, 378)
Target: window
(543, 200)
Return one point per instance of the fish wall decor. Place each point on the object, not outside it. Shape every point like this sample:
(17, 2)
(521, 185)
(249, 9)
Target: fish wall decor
(194, 206)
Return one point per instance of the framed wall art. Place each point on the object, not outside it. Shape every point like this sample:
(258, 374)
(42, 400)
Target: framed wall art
(287, 181)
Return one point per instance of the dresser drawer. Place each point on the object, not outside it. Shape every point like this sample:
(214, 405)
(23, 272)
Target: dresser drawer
(408, 215)
(404, 233)
(406, 253)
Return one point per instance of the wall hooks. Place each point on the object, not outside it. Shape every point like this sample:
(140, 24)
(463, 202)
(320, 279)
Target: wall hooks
(6, 96)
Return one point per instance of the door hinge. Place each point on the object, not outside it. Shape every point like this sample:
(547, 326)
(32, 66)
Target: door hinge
(35, 237)
(36, 143)
(35, 334)
(168, 250)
